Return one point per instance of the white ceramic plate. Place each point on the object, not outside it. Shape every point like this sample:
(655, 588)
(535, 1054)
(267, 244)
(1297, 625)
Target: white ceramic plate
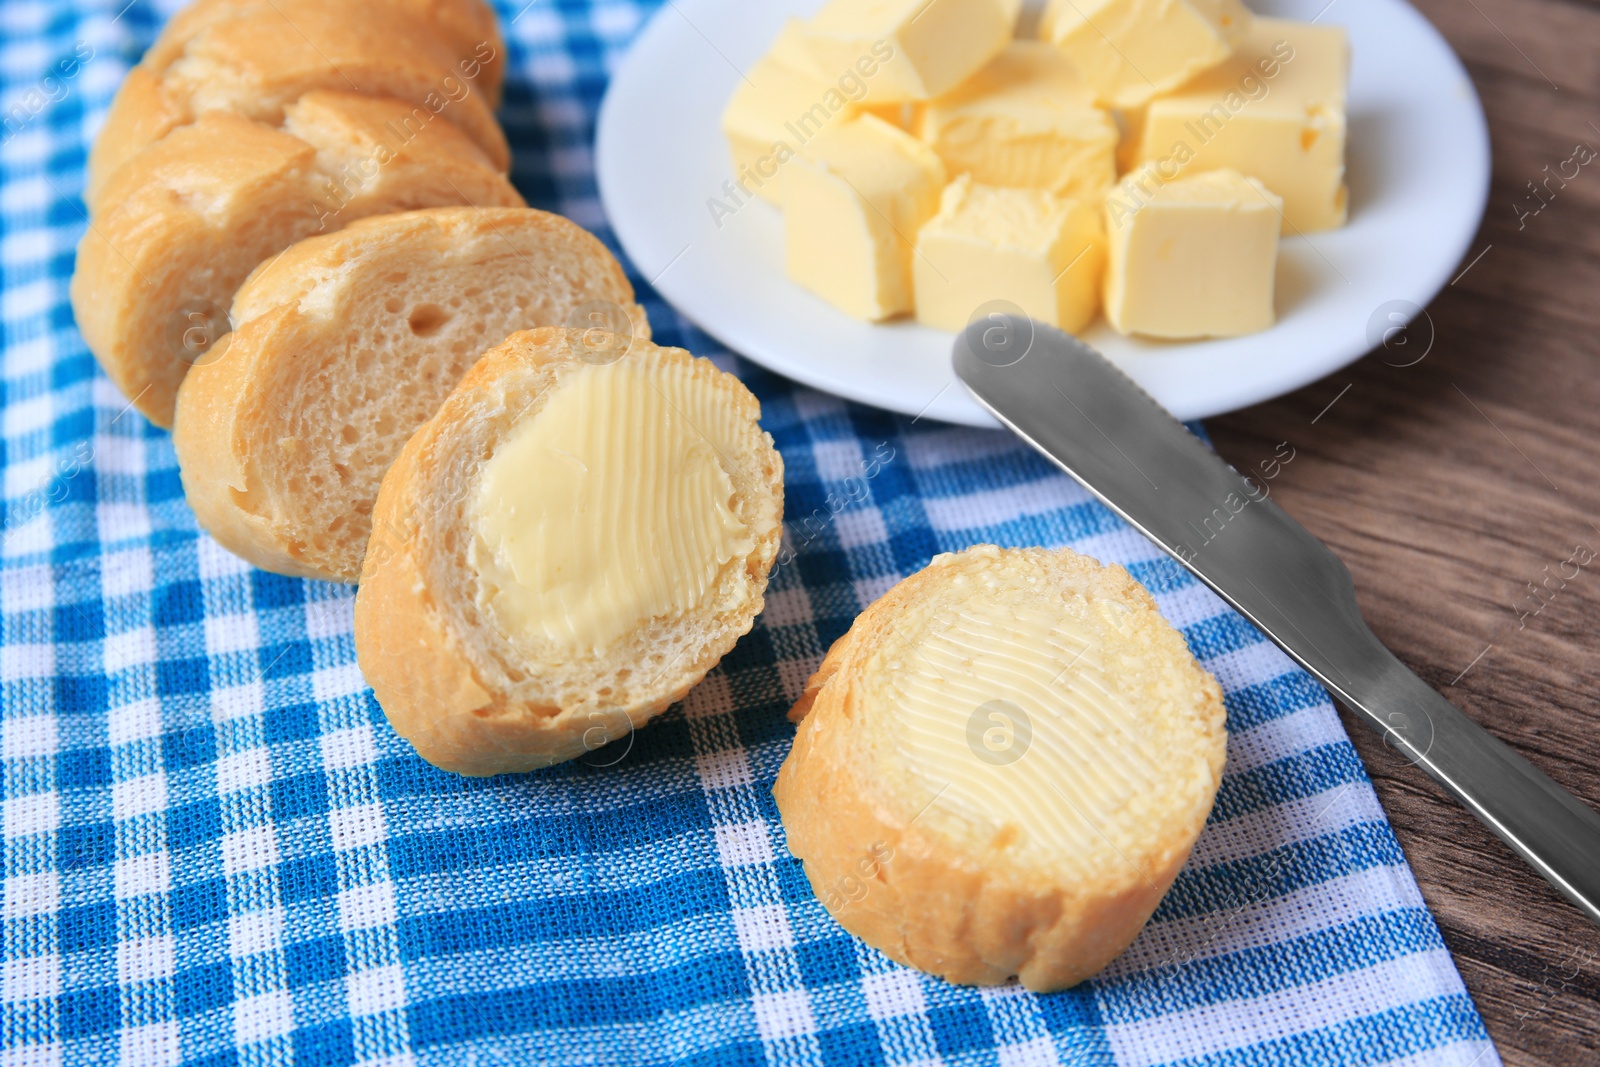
(1418, 170)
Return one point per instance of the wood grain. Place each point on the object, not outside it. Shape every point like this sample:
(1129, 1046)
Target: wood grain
(1449, 485)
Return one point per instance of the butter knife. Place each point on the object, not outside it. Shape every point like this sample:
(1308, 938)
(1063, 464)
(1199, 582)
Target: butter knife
(1073, 405)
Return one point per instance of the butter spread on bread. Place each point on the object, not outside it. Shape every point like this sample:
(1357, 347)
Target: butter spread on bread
(1001, 767)
(482, 682)
(629, 516)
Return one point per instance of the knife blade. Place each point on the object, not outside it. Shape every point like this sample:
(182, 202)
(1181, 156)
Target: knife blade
(1082, 412)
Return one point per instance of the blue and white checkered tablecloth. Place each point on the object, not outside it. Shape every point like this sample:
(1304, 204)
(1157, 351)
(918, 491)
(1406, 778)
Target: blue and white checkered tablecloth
(217, 852)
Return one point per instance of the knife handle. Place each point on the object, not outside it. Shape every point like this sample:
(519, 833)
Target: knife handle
(1556, 833)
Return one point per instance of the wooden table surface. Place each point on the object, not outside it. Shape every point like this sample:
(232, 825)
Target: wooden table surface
(1449, 485)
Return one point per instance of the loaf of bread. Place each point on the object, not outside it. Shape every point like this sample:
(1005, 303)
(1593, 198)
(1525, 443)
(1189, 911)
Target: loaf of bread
(185, 221)
(576, 537)
(255, 59)
(346, 344)
(1001, 767)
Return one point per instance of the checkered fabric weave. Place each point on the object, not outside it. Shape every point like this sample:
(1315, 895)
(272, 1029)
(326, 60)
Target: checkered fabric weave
(217, 852)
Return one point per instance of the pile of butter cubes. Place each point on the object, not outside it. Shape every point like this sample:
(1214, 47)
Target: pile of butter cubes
(1138, 156)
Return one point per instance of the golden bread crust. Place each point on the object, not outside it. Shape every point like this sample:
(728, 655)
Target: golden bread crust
(185, 221)
(256, 59)
(218, 479)
(464, 24)
(136, 263)
(141, 113)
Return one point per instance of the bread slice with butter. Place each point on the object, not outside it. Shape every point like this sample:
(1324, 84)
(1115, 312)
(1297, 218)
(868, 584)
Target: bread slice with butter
(184, 223)
(1002, 766)
(347, 343)
(576, 537)
(261, 58)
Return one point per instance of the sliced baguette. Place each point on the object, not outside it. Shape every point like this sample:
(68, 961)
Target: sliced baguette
(478, 700)
(463, 24)
(1002, 766)
(345, 345)
(261, 59)
(202, 208)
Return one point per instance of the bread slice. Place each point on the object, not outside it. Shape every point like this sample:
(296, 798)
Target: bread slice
(349, 342)
(475, 690)
(263, 57)
(190, 218)
(1001, 767)
(465, 25)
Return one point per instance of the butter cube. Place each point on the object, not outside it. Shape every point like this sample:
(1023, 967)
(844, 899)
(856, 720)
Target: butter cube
(1191, 257)
(790, 48)
(1275, 110)
(853, 202)
(1025, 246)
(905, 114)
(924, 47)
(780, 105)
(1132, 50)
(1025, 120)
